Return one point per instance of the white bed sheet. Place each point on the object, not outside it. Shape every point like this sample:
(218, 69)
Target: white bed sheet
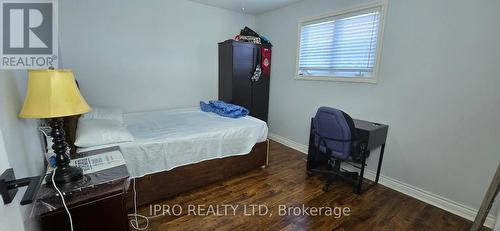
(172, 138)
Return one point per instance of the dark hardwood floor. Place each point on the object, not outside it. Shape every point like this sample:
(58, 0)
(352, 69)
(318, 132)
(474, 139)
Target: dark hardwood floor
(285, 183)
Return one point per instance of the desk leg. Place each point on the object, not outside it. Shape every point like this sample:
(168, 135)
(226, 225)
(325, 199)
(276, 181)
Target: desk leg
(311, 151)
(359, 187)
(380, 162)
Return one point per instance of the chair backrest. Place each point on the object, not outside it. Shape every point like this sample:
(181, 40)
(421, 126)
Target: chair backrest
(334, 130)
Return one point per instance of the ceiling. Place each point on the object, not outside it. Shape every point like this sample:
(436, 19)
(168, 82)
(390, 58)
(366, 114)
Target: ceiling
(248, 6)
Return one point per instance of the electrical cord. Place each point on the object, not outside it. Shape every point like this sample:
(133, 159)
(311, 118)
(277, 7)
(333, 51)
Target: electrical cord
(135, 222)
(62, 197)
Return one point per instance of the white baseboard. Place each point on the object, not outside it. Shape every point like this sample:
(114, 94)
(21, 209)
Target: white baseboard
(417, 193)
(289, 143)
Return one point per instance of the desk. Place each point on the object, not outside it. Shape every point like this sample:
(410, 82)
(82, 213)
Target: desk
(372, 134)
(375, 135)
(98, 202)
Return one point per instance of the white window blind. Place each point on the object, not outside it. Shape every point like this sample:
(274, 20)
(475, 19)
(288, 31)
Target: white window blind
(340, 46)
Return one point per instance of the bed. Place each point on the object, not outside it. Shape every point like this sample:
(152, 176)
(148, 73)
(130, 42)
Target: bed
(175, 151)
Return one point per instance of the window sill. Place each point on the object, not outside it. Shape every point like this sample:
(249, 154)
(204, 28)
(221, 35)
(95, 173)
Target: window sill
(337, 78)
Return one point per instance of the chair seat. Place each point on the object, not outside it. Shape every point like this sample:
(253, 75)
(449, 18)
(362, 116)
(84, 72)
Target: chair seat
(336, 155)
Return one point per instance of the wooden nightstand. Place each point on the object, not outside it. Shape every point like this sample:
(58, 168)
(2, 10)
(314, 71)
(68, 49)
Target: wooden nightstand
(98, 202)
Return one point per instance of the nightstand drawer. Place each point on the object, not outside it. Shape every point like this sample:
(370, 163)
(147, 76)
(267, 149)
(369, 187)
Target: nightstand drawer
(97, 202)
(104, 214)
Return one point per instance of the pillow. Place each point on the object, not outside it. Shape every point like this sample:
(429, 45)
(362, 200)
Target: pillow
(105, 114)
(96, 132)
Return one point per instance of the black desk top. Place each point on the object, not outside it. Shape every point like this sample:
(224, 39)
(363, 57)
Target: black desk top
(93, 186)
(375, 134)
(367, 125)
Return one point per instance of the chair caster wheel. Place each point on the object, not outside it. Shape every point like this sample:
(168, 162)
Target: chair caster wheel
(326, 188)
(309, 173)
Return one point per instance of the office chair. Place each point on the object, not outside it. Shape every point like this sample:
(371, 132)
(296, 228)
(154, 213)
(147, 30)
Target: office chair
(335, 140)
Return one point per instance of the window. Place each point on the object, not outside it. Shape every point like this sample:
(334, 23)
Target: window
(342, 46)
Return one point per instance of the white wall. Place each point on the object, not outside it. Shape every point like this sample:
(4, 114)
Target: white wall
(10, 215)
(141, 55)
(22, 142)
(438, 90)
(20, 146)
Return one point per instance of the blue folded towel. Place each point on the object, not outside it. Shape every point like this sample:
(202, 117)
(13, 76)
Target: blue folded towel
(224, 109)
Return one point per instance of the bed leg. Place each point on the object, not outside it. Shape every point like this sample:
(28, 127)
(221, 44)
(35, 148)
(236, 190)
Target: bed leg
(267, 153)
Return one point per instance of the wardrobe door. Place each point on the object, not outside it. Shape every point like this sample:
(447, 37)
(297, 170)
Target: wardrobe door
(260, 95)
(243, 59)
(226, 72)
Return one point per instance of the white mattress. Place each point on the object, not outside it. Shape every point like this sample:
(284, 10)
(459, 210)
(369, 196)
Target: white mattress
(168, 139)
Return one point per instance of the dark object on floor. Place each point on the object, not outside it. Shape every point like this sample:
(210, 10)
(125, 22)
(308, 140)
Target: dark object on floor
(335, 138)
(237, 63)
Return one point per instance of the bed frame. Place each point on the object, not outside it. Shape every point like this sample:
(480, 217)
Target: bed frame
(162, 185)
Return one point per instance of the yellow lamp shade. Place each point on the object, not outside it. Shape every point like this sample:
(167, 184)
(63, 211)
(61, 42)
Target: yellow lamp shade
(52, 93)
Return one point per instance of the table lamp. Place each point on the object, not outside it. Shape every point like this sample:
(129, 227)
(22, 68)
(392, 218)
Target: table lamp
(51, 95)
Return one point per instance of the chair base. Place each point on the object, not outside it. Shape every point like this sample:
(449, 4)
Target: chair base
(334, 172)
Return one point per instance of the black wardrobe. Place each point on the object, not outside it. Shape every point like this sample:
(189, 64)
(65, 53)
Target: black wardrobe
(237, 65)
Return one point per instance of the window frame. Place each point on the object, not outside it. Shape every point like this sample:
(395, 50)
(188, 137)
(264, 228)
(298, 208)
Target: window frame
(338, 14)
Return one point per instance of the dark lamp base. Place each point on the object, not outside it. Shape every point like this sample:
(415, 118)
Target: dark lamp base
(65, 175)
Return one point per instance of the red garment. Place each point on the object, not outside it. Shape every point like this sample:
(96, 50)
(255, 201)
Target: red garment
(266, 61)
